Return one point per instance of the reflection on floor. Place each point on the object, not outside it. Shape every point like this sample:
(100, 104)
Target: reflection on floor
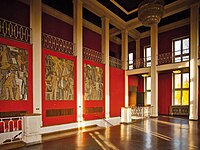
(166, 133)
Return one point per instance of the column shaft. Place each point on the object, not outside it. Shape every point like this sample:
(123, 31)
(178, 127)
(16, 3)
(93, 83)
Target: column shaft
(78, 40)
(154, 73)
(194, 39)
(105, 52)
(36, 25)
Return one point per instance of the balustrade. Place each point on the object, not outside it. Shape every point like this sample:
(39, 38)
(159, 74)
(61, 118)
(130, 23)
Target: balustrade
(57, 44)
(114, 62)
(92, 55)
(12, 30)
(10, 129)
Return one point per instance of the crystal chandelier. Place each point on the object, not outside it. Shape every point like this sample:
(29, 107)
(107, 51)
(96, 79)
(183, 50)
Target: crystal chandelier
(150, 12)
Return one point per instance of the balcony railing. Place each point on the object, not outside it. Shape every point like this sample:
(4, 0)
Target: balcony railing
(114, 62)
(10, 129)
(173, 57)
(12, 30)
(92, 55)
(139, 63)
(57, 44)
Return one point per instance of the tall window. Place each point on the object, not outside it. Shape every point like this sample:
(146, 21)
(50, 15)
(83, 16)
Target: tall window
(147, 56)
(181, 89)
(130, 61)
(181, 49)
(148, 90)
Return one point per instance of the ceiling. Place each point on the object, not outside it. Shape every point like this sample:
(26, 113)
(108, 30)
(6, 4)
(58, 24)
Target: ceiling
(123, 13)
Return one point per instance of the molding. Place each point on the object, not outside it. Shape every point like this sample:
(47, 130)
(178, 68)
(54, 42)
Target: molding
(101, 11)
(138, 71)
(122, 8)
(114, 32)
(54, 13)
(173, 66)
(168, 27)
(116, 40)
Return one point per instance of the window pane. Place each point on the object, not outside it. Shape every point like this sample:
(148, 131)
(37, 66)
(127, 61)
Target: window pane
(186, 43)
(148, 53)
(148, 64)
(148, 98)
(177, 45)
(185, 80)
(177, 98)
(185, 97)
(148, 83)
(185, 58)
(130, 56)
(177, 59)
(130, 67)
(177, 81)
(185, 51)
(178, 52)
(130, 61)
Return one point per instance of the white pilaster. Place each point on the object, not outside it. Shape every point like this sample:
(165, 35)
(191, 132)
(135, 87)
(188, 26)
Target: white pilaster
(125, 61)
(36, 25)
(137, 48)
(194, 40)
(105, 51)
(154, 73)
(78, 40)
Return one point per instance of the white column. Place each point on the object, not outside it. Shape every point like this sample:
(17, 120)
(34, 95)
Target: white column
(105, 52)
(154, 73)
(125, 61)
(137, 48)
(78, 40)
(36, 25)
(194, 40)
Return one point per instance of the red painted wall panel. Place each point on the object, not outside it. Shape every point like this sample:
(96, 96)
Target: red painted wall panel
(117, 91)
(115, 50)
(21, 105)
(132, 48)
(165, 38)
(56, 27)
(133, 81)
(57, 104)
(144, 42)
(140, 84)
(164, 93)
(94, 103)
(15, 11)
(91, 39)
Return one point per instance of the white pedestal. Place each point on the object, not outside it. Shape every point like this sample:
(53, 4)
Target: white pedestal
(31, 129)
(126, 115)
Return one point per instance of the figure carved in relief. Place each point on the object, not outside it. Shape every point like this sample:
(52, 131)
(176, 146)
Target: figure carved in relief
(9, 85)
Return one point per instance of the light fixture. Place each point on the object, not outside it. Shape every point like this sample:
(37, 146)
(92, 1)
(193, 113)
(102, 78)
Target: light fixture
(176, 71)
(150, 12)
(145, 75)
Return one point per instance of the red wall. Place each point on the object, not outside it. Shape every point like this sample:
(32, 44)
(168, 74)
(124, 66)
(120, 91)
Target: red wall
(20, 105)
(140, 84)
(132, 48)
(57, 104)
(133, 81)
(15, 11)
(91, 39)
(164, 93)
(144, 42)
(117, 91)
(56, 27)
(165, 38)
(94, 103)
(115, 50)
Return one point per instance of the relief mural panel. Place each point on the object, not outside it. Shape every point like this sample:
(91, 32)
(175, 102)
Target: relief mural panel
(59, 78)
(93, 82)
(13, 73)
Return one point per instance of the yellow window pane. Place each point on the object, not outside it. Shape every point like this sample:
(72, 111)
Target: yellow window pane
(186, 80)
(185, 97)
(177, 81)
(177, 98)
